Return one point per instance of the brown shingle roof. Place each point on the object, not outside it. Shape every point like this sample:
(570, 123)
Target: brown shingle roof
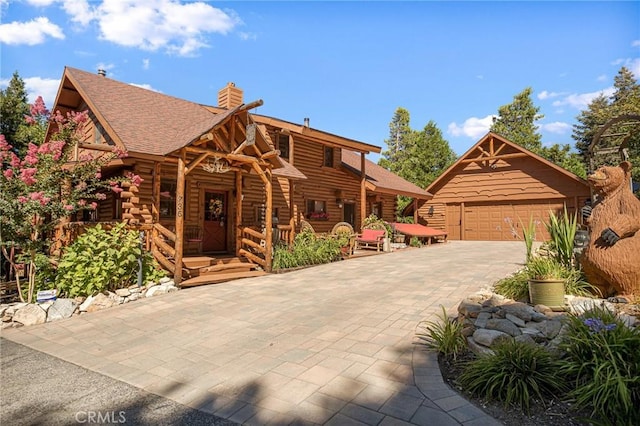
(381, 179)
(143, 120)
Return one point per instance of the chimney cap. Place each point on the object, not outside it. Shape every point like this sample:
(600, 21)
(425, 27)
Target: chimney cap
(306, 122)
(102, 72)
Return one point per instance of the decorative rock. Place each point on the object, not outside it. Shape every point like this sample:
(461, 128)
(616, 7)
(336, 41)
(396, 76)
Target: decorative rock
(123, 292)
(165, 280)
(135, 289)
(468, 330)
(525, 338)
(489, 338)
(134, 296)
(86, 303)
(61, 308)
(157, 289)
(172, 288)
(494, 300)
(100, 301)
(514, 319)
(503, 325)
(478, 349)
(518, 309)
(481, 321)
(469, 308)
(30, 315)
(13, 308)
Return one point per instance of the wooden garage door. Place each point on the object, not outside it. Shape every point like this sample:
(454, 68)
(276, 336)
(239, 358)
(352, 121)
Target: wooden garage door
(503, 222)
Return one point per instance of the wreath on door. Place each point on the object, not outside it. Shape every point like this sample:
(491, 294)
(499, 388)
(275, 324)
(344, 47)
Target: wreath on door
(215, 207)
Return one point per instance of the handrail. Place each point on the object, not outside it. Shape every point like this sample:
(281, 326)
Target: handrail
(165, 232)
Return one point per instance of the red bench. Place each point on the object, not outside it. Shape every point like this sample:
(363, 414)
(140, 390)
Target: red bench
(371, 238)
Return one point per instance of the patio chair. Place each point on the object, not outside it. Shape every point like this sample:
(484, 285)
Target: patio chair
(193, 236)
(371, 238)
(344, 229)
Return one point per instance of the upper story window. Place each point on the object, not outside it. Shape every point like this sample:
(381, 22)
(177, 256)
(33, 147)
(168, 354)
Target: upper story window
(328, 156)
(283, 145)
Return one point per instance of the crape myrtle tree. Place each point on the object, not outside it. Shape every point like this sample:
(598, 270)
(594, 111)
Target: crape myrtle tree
(44, 186)
(625, 100)
(417, 156)
(517, 122)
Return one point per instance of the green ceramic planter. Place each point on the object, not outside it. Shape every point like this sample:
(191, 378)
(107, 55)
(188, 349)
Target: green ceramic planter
(546, 292)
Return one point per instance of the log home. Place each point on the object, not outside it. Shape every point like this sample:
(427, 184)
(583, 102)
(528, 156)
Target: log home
(219, 180)
(495, 188)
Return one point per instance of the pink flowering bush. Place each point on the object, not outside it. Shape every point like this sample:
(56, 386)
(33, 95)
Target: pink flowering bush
(45, 186)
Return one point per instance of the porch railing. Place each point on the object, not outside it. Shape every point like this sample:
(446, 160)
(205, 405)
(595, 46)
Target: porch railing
(252, 246)
(163, 247)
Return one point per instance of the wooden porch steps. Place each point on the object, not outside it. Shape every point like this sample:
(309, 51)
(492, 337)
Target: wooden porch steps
(216, 278)
(203, 270)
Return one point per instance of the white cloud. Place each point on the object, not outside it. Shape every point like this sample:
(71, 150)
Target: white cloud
(548, 95)
(79, 10)
(248, 36)
(472, 127)
(41, 3)
(582, 100)
(635, 43)
(632, 64)
(30, 33)
(45, 87)
(145, 86)
(145, 64)
(557, 127)
(162, 24)
(602, 78)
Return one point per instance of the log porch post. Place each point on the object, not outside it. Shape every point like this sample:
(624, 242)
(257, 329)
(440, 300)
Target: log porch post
(269, 220)
(155, 196)
(363, 190)
(239, 196)
(177, 276)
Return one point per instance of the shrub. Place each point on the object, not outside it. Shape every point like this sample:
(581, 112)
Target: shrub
(515, 286)
(514, 374)
(562, 229)
(415, 242)
(101, 260)
(603, 363)
(444, 336)
(307, 249)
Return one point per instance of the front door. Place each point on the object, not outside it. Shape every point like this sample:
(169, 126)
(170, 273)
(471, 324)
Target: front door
(215, 222)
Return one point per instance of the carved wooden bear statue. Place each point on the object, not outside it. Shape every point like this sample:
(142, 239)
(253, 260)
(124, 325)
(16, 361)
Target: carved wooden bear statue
(611, 261)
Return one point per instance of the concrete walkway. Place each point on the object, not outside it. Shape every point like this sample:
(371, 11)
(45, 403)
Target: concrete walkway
(332, 344)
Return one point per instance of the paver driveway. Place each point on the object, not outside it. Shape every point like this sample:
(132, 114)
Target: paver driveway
(331, 344)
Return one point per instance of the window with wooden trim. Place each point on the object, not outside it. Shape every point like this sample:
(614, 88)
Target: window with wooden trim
(328, 156)
(317, 210)
(376, 209)
(168, 198)
(283, 145)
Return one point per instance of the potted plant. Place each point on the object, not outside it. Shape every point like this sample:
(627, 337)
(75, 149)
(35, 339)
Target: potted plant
(547, 277)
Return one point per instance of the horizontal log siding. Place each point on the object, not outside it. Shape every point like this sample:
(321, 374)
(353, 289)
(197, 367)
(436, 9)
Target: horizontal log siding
(436, 220)
(321, 184)
(523, 179)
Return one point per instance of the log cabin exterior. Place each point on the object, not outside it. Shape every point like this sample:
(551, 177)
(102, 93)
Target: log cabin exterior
(220, 180)
(494, 188)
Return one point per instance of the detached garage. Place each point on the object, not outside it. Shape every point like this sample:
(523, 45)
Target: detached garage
(497, 186)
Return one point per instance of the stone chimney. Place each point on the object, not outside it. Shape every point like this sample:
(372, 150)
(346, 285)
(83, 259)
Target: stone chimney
(102, 72)
(230, 96)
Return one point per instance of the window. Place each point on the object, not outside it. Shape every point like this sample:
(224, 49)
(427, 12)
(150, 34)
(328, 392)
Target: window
(328, 156)
(317, 210)
(283, 145)
(168, 199)
(376, 209)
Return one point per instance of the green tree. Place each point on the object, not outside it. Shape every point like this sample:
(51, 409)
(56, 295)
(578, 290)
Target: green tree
(399, 132)
(429, 154)
(13, 108)
(563, 157)
(625, 100)
(517, 122)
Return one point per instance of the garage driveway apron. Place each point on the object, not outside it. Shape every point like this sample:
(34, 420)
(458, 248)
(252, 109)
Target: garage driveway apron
(332, 344)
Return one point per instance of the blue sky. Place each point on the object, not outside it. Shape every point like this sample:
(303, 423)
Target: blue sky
(346, 65)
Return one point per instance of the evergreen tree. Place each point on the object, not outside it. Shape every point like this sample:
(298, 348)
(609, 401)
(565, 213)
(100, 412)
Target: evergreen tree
(13, 109)
(517, 122)
(589, 121)
(399, 133)
(429, 154)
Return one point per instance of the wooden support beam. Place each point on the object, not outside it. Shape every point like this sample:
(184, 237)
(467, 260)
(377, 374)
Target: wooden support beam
(238, 223)
(491, 158)
(270, 154)
(155, 196)
(363, 190)
(195, 162)
(177, 276)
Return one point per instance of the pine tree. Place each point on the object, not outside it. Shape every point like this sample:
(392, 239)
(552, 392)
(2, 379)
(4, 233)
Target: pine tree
(516, 121)
(13, 109)
(399, 133)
